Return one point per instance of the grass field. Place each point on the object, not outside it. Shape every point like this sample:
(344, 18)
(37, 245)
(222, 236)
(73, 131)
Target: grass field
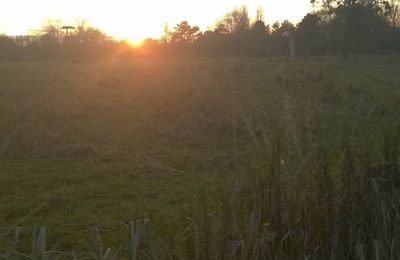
(225, 158)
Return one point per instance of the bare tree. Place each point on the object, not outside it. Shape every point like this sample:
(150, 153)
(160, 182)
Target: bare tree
(236, 21)
(52, 31)
(260, 14)
(167, 33)
(89, 35)
(393, 12)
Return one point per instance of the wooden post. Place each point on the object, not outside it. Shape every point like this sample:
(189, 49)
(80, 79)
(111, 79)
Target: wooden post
(292, 50)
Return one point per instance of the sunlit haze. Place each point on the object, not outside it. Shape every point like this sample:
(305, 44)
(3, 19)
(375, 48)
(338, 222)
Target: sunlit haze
(136, 20)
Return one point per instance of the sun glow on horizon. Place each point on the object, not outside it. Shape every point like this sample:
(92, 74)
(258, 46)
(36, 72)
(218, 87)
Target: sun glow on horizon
(135, 42)
(138, 20)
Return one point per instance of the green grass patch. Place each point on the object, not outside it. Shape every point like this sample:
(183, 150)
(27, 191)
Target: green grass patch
(225, 158)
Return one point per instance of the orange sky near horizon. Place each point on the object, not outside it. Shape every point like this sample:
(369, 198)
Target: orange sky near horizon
(135, 20)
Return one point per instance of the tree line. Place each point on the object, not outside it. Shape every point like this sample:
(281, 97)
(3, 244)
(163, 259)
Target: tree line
(332, 27)
(55, 41)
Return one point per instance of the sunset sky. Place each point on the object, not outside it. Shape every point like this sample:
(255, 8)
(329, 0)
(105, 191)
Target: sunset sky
(135, 19)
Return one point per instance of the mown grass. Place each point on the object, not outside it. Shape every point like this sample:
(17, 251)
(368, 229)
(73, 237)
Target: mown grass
(225, 158)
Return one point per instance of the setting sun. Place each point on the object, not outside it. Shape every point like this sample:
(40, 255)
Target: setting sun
(135, 42)
(137, 20)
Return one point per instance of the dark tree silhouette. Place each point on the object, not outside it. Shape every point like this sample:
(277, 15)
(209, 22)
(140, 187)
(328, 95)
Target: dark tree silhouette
(184, 32)
(281, 37)
(310, 35)
(357, 25)
(259, 33)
